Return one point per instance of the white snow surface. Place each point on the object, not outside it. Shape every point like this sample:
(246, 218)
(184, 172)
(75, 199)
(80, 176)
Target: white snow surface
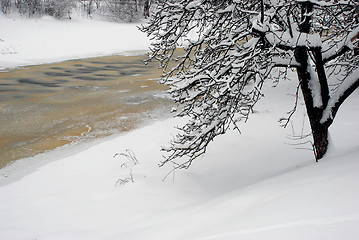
(250, 186)
(253, 185)
(45, 40)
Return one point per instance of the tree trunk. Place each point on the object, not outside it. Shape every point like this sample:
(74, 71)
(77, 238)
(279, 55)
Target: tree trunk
(319, 130)
(314, 110)
(146, 8)
(320, 137)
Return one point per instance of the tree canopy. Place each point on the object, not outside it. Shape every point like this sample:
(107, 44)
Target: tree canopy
(117, 10)
(231, 47)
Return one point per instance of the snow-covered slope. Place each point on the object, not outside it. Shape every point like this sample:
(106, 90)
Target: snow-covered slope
(256, 185)
(250, 186)
(36, 41)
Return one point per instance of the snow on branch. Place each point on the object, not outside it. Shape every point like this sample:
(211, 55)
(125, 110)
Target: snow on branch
(349, 85)
(341, 47)
(217, 54)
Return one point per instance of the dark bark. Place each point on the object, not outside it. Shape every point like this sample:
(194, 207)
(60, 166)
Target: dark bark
(146, 8)
(323, 81)
(319, 130)
(315, 113)
(320, 137)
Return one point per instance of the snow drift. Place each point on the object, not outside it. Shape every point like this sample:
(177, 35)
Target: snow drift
(256, 185)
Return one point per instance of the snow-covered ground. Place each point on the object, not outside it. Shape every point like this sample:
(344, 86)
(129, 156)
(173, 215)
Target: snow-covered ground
(35, 41)
(255, 185)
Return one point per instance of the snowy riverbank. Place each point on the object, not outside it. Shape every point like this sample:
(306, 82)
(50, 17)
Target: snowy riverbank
(249, 186)
(255, 185)
(46, 40)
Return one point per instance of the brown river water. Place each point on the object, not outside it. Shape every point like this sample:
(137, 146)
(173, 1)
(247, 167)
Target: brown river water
(46, 106)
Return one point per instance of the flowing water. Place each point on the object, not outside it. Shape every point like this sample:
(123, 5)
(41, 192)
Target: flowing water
(46, 106)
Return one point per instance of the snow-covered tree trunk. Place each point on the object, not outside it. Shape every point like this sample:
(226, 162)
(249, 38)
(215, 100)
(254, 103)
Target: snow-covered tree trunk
(314, 94)
(233, 47)
(314, 83)
(314, 109)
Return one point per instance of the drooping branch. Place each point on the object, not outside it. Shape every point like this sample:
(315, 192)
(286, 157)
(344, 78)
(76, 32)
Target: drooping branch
(348, 86)
(230, 49)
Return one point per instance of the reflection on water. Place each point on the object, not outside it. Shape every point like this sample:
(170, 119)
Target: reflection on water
(43, 107)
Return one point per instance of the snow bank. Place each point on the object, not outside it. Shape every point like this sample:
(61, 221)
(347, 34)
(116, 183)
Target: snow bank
(250, 186)
(36, 41)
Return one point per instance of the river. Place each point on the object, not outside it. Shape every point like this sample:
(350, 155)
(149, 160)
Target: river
(46, 106)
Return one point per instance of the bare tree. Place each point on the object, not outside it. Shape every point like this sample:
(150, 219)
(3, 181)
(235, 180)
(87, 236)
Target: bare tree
(146, 8)
(35, 8)
(5, 6)
(127, 10)
(118, 10)
(58, 9)
(29, 7)
(237, 45)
